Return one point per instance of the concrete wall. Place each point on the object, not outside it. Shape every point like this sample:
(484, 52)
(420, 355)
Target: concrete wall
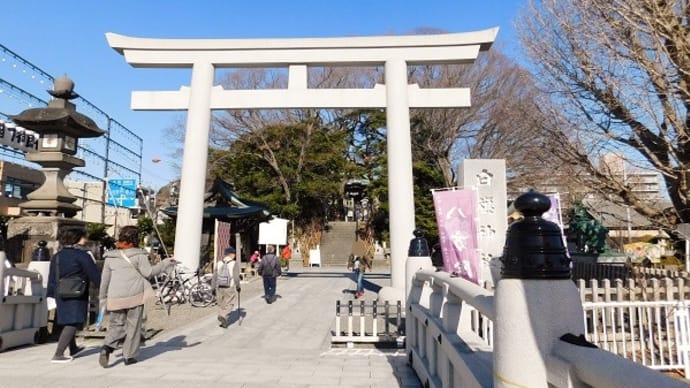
(90, 198)
(9, 205)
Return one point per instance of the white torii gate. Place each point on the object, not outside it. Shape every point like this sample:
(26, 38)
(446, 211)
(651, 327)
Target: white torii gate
(395, 53)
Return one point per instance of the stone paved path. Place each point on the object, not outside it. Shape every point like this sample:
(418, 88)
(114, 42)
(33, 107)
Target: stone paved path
(285, 344)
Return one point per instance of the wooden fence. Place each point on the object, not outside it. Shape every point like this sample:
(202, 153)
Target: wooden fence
(640, 289)
(642, 319)
(602, 271)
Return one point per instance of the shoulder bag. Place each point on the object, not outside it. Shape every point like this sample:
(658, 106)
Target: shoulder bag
(70, 287)
(148, 289)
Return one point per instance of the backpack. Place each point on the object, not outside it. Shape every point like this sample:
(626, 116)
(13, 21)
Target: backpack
(223, 279)
(268, 265)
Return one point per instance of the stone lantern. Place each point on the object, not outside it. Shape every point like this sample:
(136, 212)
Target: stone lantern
(60, 126)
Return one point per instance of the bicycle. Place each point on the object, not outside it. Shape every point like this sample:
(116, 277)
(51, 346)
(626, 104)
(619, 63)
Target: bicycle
(202, 294)
(175, 286)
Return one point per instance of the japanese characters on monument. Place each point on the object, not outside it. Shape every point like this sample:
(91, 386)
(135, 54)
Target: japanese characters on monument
(488, 178)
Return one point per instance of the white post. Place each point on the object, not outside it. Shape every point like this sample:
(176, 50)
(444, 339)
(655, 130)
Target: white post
(238, 248)
(190, 210)
(531, 316)
(400, 189)
(5, 264)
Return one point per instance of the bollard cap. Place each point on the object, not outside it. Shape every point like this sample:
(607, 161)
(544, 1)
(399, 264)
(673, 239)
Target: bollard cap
(419, 247)
(534, 247)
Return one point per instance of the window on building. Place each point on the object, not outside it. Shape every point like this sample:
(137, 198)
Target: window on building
(17, 188)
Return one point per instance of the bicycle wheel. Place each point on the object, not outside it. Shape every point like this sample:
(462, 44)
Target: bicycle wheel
(201, 295)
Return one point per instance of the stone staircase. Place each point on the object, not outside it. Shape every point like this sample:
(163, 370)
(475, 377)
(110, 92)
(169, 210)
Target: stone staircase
(336, 243)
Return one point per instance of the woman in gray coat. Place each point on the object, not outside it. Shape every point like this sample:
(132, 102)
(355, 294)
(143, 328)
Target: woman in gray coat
(70, 261)
(125, 273)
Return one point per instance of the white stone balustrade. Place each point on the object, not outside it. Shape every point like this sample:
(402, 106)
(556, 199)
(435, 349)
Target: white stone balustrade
(447, 317)
(23, 309)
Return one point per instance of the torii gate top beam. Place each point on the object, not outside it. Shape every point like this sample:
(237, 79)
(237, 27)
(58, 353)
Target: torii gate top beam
(297, 54)
(354, 51)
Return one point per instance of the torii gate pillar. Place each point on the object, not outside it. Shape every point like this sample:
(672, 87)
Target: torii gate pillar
(394, 53)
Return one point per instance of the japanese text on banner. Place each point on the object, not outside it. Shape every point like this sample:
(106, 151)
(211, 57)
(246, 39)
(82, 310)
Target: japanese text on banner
(457, 229)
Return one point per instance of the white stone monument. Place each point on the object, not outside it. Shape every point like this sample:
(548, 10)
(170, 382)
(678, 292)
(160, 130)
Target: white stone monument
(488, 177)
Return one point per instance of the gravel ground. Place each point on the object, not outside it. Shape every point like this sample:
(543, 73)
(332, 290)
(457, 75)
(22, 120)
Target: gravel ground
(159, 322)
(184, 314)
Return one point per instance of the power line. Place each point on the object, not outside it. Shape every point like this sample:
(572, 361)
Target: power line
(129, 159)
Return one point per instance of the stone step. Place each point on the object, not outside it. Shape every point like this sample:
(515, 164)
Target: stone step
(336, 243)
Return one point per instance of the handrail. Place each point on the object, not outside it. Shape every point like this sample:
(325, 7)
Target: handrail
(474, 295)
(444, 353)
(600, 368)
(440, 337)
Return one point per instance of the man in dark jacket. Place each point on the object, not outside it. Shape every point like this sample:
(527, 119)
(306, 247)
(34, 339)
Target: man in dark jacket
(269, 269)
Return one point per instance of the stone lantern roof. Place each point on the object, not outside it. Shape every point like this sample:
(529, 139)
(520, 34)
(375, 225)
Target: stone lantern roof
(60, 116)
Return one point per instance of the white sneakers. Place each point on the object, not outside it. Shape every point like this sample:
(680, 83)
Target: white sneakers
(61, 359)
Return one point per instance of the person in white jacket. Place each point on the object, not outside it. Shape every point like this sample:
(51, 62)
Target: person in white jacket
(226, 280)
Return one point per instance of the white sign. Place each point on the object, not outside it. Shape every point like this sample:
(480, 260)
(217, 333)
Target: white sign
(273, 232)
(18, 138)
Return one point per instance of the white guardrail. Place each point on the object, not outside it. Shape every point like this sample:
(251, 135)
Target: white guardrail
(450, 332)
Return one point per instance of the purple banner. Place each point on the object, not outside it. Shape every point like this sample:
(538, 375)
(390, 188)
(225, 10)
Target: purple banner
(554, 212)
(457, 230)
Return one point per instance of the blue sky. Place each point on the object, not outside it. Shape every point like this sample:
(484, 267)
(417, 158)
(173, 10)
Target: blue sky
(68, 37)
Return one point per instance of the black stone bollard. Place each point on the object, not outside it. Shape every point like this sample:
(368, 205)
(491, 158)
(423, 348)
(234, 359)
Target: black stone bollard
(534, 247)
(419, 247)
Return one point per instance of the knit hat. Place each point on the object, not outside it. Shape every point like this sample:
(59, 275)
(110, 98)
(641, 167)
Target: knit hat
(229, 250)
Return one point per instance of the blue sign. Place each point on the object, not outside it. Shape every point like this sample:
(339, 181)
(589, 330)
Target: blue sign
(122, 192)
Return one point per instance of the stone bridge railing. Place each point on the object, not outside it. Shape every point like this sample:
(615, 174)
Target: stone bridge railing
(23, 307)
(527, 334)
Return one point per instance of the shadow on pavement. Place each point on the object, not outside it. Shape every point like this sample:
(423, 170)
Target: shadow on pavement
(172, 344)
(236, 316)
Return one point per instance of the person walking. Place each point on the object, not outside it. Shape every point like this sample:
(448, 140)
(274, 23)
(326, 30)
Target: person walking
(124, 288)
(70, 262)
(254, 259)
(269, 269)
(226, 281)
(359, 262)
(286, 255)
